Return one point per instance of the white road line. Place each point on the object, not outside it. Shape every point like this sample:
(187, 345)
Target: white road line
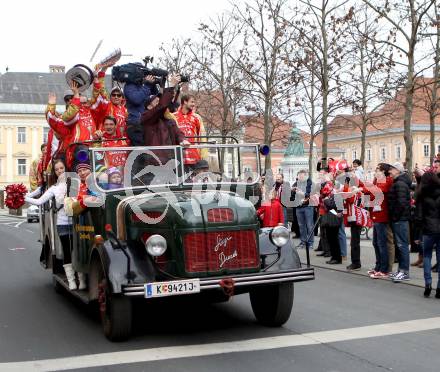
(175, 352)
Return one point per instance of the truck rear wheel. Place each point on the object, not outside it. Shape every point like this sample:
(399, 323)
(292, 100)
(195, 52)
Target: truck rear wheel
(116, 313)
(272, 304)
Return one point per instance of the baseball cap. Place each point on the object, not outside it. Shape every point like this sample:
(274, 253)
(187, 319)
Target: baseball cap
(398, 166)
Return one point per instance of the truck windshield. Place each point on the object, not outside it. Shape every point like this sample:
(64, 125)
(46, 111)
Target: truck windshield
(139, 167)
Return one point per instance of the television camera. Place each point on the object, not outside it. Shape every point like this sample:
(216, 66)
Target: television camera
(136, 72)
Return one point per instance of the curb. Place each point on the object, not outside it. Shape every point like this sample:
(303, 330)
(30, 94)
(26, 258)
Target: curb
(5, 213)
(358, 273)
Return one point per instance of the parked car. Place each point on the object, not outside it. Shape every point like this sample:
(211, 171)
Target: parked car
(33, 213)
(174, 229)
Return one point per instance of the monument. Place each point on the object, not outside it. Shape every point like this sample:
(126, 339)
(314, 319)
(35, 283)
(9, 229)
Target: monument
(295, 157)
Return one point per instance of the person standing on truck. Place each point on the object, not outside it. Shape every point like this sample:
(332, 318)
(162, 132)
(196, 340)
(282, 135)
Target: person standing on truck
(191, 125)
(63, 222)
(104, 106)
(136, 96)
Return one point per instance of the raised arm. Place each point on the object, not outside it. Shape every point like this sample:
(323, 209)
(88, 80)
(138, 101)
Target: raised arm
(49, 194)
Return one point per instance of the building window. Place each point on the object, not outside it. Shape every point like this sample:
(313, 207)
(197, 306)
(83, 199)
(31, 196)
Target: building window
(425, 151)
(21, 167)
(398, 152)
(21, 134)
(368, 154)
(383, 153)
(354, 155)
(45, 134)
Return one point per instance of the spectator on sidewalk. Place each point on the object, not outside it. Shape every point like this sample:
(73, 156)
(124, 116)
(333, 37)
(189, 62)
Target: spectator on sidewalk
(331, 222)
(428, 219)
(399, 202)
(325, 189)
(358, 170)
(382, 184)
(350, 221)
(282, 192)
(271, 212)
(304, 212)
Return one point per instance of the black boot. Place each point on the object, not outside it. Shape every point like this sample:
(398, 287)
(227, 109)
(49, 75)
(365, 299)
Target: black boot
(437, 293)
(428, 290)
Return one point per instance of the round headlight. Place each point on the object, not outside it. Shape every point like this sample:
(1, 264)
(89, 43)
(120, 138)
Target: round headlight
(279, 236)
(156, 245)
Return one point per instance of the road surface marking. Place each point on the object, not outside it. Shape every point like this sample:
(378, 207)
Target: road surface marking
(188, 351)
(14, 223)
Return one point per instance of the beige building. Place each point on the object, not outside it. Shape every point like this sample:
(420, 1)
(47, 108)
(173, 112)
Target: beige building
(21, 135)
(23, 127)
(384, 138)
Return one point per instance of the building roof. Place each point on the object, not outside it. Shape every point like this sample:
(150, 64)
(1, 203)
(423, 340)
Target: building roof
(389, 117)
(32, 88)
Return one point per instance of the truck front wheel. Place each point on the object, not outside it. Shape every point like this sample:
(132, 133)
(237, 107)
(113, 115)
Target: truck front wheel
(272, 304)
(116, 313)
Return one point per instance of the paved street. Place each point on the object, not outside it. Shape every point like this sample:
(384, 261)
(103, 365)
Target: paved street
(340, 322)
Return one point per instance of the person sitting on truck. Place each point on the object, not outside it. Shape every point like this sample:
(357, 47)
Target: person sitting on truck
(110, 138)
(63, 222)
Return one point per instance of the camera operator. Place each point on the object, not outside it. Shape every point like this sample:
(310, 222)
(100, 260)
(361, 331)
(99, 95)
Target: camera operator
(136, 96)
(159, 125)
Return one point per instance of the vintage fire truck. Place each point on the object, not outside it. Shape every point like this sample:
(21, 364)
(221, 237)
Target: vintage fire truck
(170, 229)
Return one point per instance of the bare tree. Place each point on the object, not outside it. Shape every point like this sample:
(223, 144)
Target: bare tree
(368, 80)
(406, 21)
(217, 75)
(430, 87)
(265, 60)
(308, 99)
(322, 31)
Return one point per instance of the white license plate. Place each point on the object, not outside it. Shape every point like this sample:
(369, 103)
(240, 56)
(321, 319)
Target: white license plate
(173, 288)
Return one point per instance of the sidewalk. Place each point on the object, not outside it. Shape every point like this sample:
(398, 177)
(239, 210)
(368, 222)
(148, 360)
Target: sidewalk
(5, 212)
(368, 260)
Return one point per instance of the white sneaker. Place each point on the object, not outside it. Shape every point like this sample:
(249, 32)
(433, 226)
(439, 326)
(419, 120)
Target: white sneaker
(400, 277)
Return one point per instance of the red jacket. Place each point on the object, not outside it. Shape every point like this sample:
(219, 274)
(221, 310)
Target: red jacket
(379, 212)
(57, 124)
(115, 158)
(192, 126)
(102, 107)
(78, 118)
(271, 214)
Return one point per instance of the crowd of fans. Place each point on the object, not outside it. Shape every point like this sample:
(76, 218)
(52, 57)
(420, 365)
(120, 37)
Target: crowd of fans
(402, 209)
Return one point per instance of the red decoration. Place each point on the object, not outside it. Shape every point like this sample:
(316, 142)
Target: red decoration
(15, 195)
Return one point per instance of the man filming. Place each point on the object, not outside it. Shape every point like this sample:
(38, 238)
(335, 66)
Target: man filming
(159, 125)
(136, 96)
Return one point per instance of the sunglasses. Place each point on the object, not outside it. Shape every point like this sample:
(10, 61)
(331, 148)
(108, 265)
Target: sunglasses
(116, 95)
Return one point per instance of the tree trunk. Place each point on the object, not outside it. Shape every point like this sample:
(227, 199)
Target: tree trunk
(363, 142)
(407, 134)
(325, 86)
(434, 105)
(312, 140)
(267, 134)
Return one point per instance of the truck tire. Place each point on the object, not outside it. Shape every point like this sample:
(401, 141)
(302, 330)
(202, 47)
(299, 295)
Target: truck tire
(116, 314)
(272, 304)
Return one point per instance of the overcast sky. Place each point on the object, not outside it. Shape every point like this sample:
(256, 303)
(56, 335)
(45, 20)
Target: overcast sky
(37, 33)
